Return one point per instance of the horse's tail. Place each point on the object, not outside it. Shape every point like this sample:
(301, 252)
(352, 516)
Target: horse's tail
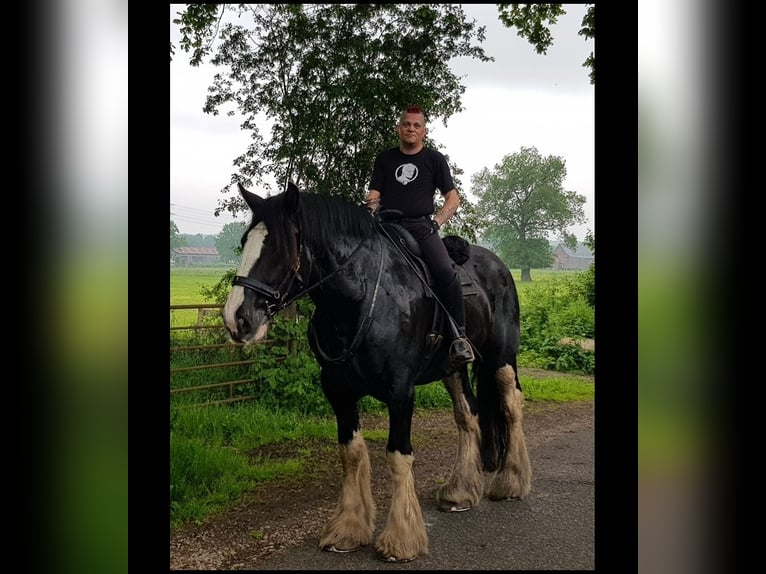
(493, 416)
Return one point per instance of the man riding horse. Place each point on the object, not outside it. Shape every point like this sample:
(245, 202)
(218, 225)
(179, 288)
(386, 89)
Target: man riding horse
(405, 179)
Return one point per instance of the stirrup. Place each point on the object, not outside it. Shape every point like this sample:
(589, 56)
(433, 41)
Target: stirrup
(460, 352)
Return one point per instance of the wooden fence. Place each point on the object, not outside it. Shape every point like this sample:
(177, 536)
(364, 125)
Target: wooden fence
(208, 320)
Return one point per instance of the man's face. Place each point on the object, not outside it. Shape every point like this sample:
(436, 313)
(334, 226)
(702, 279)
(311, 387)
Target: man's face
(412, 128)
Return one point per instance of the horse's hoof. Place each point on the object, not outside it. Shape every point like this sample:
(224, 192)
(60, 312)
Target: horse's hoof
(394, 559)
(333, 548)
(446, 506)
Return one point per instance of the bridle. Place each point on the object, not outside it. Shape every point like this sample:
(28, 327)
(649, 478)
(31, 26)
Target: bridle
(277, 299)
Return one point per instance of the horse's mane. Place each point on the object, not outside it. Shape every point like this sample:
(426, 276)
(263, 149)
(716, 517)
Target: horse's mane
(326, 218)
(323, 220)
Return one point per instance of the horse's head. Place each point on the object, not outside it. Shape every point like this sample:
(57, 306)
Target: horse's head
(268, 271)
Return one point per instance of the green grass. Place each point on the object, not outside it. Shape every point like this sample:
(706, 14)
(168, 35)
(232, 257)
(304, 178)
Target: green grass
(185, 289)
(210, 467)
(560, 388)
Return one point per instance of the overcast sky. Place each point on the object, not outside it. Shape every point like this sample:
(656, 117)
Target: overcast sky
(522, 99)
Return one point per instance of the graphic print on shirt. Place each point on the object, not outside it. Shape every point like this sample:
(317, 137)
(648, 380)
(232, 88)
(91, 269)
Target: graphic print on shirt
(405, 173)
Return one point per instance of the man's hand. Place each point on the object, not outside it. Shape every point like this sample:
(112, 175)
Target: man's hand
(373, 200)
(372, 204)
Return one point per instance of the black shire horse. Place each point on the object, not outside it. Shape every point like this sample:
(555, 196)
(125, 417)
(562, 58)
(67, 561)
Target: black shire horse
(374, 332)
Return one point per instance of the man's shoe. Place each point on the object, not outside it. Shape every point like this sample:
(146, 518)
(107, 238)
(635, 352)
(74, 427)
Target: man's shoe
(460, 353)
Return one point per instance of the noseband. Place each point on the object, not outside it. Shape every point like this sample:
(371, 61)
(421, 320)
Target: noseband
(275, 300)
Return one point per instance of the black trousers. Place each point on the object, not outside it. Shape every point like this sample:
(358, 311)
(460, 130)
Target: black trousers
(432, 250)
(442, 268)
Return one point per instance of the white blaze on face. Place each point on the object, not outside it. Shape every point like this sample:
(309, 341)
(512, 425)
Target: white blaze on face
(250, 254)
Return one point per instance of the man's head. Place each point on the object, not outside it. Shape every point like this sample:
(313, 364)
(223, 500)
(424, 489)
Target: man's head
(412, 127)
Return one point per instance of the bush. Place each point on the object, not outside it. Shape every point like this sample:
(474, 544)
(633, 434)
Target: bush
(553, 310)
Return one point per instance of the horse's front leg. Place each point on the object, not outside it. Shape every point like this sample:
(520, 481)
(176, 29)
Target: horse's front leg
(404, 537)
(353, 521)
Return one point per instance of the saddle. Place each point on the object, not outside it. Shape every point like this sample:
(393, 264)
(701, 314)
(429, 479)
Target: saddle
(457, 248)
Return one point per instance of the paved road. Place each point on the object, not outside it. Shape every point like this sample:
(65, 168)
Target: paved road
(552, 529)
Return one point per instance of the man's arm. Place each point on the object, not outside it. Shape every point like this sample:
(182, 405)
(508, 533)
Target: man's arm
(451, 203)
(373, 200)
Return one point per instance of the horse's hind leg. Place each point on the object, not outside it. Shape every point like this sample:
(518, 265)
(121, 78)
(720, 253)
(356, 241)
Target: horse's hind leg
(465, 485)
(353, 521)
(514, 476)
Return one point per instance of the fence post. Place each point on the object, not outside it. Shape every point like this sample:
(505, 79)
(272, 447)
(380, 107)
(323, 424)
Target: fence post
(291, 313)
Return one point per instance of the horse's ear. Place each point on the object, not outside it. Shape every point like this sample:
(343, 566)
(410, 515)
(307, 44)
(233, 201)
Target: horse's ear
(291, 198)
(252, 200)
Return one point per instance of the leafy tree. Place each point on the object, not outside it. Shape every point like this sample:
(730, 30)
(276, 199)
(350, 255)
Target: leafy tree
(520, 202)
(197, 30)
(228, 241)
(590, 242)
(532, 20)
(199, 239)
(464, 223)
(332, 78)
(176, 239)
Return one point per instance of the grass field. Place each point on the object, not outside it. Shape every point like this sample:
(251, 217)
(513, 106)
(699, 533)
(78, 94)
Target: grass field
(185, 283)
(185, 286)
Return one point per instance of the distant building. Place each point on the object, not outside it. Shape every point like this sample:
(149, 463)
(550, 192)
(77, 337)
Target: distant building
(191, 256)
(566, 258)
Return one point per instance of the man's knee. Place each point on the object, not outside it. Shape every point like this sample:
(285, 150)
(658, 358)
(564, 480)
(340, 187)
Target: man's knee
(444, 276)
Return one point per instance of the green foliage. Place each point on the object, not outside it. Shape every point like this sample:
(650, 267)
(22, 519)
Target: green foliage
(333, 78)
(219, 291)
(465, 222)
(549, 354)
(521, 201)
(553, 310)
(289, 382)
(199, 239)
(176, 239)
(532, 20)
(589, 276)
(228, 241)
(197, 32)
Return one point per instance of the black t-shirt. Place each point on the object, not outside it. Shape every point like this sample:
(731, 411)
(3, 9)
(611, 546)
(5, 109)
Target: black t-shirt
(408, 182)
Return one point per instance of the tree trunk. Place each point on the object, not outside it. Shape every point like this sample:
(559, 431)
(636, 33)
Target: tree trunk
(525, 275)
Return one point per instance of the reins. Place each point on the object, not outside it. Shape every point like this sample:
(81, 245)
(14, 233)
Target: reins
(364, 326)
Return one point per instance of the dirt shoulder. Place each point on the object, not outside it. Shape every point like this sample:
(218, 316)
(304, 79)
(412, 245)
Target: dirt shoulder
(282, 514)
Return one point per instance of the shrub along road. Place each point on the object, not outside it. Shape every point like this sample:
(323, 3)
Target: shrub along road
(278, 526)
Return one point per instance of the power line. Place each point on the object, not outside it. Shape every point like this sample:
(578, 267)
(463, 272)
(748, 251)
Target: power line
(200, 217)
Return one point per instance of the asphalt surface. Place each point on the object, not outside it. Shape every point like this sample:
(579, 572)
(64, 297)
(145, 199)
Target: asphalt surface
(552, 529)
